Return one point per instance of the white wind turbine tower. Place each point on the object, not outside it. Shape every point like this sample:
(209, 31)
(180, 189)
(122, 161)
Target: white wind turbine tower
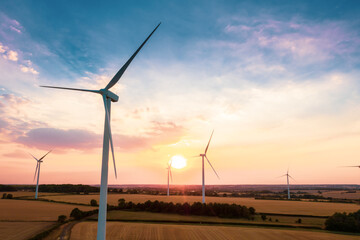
(108, 97)
(168, 178)
(37, 171)
(288, 182)
(203, 168)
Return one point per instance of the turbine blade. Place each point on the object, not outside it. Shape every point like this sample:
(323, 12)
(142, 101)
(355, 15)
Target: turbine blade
(292, 178)
(34, 157)
(37, 165)
(212, 167)
(209, 142)
(110, 135)
(74, 89)
(170, 175)
(350, 166)
(282, 176)
(118, 75)
(44, 155)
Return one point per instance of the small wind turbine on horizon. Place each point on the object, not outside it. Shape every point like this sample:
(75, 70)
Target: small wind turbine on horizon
(203, 155)
(107, 97)
(288, 182)
(37, 171)
(352, 166)
(168, 178)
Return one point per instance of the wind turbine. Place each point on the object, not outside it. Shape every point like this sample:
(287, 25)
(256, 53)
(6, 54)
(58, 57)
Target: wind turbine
(288, 182)
(203, 168)
(37, 171)
(108, 97)
(169, 176)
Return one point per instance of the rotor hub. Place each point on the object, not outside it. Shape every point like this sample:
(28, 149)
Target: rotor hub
(109, 94)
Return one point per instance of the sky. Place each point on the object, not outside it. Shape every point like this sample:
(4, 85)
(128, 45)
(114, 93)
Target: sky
(277, 81)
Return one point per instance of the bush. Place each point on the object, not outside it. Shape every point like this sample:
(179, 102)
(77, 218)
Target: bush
(9, 196)
(4, 196)
(344, 222)
(93, 202)
(298, 221)
(61, 218)
(263, 217)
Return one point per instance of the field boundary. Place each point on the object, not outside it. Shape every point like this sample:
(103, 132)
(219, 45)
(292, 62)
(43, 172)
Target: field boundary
(271, 225)
(292, 215)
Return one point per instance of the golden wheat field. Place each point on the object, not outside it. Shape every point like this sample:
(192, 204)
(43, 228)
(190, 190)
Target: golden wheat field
(117, 230)
(21, 230)
(267, 206)
(342, 194)
(22, 210)
(29, 194)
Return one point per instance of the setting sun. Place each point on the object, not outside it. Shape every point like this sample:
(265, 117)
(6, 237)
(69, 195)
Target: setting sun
(178, 162)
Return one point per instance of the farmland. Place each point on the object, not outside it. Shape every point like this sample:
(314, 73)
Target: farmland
(22, 210)
(267, 206)
(21, 230)
(149, 216)
(22, 219)
(116, 230)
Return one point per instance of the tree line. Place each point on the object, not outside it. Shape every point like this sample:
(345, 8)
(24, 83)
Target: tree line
(223, 210)
(344, 222)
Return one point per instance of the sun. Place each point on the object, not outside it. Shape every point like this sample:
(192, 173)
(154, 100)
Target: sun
(178, 162)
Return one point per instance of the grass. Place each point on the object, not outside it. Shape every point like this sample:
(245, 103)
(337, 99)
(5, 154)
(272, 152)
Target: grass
(121, 230)
(267, 206)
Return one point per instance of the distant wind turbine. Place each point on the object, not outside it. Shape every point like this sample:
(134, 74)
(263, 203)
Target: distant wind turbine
(203, 168)
(169, 176)
(108, 97)
(37, 171)
(352, 166)
(288, 182)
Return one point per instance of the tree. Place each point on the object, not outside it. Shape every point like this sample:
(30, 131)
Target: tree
(263, 217)
(252, 210)
(76, 214)
(4, 195)
(93, 202)
(61, 218)
(121, 203)
(344, 222)
(9, 196)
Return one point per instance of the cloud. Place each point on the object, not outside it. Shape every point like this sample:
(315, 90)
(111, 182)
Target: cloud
(16, 154)
(12, 55)
(28, 69)
(2, 48)
(15, 29)
(46, 138)
(10, 24)
(298, 38)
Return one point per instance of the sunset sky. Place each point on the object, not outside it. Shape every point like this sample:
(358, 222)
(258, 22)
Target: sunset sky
(278, 81)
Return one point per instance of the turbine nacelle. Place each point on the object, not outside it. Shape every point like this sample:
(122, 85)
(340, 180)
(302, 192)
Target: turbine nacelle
(109, 94)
